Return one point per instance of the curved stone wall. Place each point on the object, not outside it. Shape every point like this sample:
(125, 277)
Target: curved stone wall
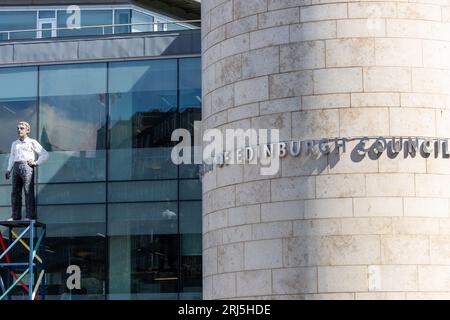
(333, 226)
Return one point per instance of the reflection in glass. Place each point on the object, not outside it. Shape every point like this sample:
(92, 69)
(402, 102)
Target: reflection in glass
(18, 101)
(88, 18)
(75, 236)
(190, 105)
(122, 16)
(73, 119)
(143, 20)
(143, 102)
(134, 227)
(18, 20)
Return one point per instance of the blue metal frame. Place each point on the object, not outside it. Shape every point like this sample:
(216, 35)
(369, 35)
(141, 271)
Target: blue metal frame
(34, 267)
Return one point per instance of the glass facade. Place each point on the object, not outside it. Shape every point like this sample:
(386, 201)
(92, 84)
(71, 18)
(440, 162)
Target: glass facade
(51, 22)
(113, 202)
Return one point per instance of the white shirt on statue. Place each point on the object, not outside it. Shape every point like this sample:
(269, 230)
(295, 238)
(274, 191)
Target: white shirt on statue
(26, 150)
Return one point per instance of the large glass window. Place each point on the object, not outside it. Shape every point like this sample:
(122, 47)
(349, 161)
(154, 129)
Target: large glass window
(72, 124)
(88, 18)
(113, 202)
(17, 20)
(143, 104)
(122, 16)
(143, 22)
(18, 101)
(190, 104)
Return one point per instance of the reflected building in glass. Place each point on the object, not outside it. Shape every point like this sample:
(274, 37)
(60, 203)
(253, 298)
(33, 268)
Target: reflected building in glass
(114, 203)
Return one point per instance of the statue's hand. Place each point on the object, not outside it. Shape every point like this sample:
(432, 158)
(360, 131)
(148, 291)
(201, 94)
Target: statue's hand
(7, 175)
(32, 164)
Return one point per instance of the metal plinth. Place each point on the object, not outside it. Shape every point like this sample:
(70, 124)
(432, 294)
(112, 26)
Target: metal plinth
(32, 279)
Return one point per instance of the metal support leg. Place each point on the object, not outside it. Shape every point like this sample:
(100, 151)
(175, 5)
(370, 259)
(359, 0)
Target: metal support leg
(31, 262)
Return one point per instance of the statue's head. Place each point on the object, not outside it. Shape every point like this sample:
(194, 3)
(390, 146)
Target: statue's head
(23, 129)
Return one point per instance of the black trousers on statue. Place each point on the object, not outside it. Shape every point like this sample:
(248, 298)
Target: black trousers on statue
(23, 178)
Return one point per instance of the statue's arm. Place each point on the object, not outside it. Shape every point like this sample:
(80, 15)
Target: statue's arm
(11, 158)
(41, 152)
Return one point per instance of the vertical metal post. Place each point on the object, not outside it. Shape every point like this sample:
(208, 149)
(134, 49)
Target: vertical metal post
(43, 263)
(31, 262)
(9, 279)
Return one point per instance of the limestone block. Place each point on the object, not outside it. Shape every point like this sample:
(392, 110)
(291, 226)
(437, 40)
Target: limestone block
(241, 26)
(252, 90)
(222, 99)
(230, 257)
(272, 230)
(393, 278)
(302, 55)
(412, 122)
(430, 185)
(372, 9)
(224, 285)
(279, 211)
(364, 122)
(234, 45)
(326, 101)
(313, 31)
(256, 282)
(405, 249)
(221, 14)
(230, 174)
(356, 28)
(430, 80)
(394, 184)
(243, 112)
(426, 207)
(378, 207)
(292, 188)
(350, 52)
(279, 105)
(269, 37)
(260, 62)
(425, 226)
(263, 254)
(419, 11)
(243, 8)
(378, 225)
(244, 215)
(291, 84)
(237, 234)
(422, 100)
(440, 249)
(387, 79)
(252, 192)
(331, 250)
(278, 17)
(398, 52)
(228, 70)
(305, 280)
(400, 164)
(323, 12)
(337, 80)
(280, 4)
(209, 261)
(218, 220)
(342, 279)
(280, 121)
(375, 99)
(328, 208)
(434, 278)
(317, 227)
(340, 185)
(435, 54)
(315, 124)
